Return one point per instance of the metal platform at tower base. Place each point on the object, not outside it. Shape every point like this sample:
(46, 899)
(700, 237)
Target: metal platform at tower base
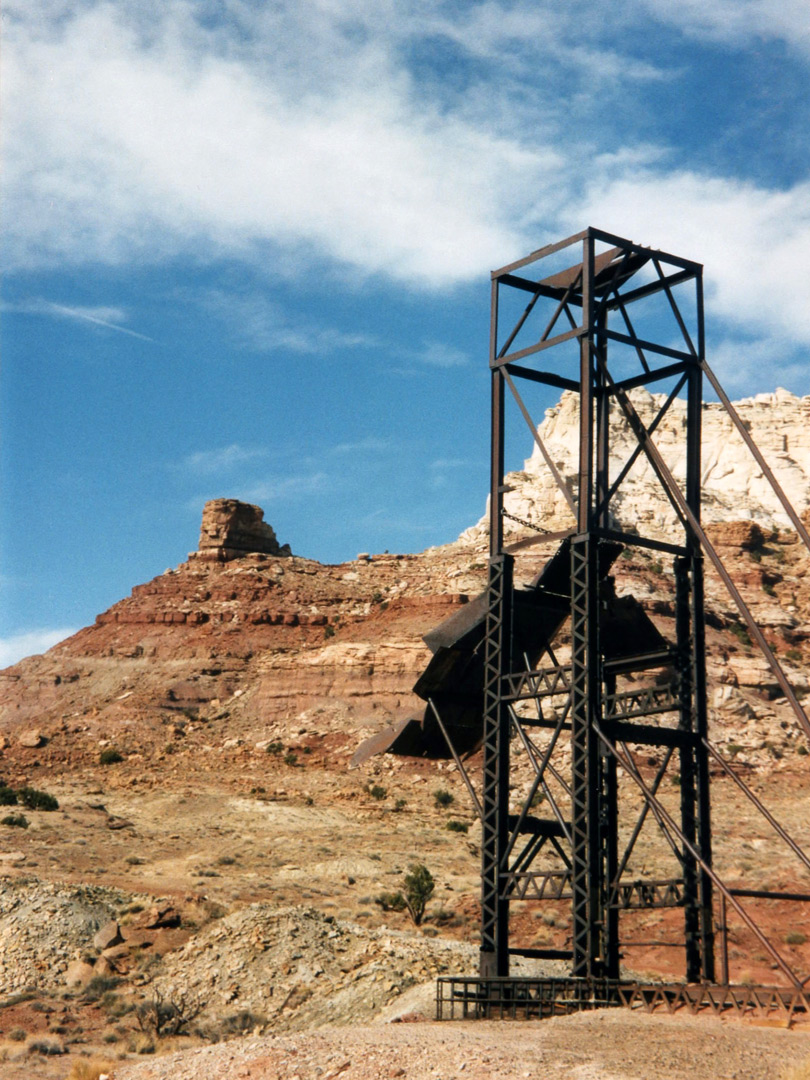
(526, 998)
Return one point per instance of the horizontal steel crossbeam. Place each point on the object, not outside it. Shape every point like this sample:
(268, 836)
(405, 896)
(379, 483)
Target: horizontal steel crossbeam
(462, 998)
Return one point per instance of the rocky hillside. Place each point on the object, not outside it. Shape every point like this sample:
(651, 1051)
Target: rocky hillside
(198, 738)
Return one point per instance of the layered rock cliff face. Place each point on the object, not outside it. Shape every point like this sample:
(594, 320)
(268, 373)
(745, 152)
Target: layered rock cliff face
(247, 634)
(734, 487)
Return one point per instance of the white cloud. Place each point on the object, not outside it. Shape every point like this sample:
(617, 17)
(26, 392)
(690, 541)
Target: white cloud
(369, 445)
(151, 136)
(222, 459)
(31, 643)
(261, 325)
(286, 132)
(110, 318)
(438, 354)
(752, 241)
(284, 487)
(736, 22)
(764, 363)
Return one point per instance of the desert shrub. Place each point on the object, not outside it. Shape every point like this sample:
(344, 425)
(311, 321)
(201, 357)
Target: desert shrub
(45, 1044)
(328, 631)
(141, 1043)
(8, 797)
(740, 633)
(419, 886)
(161, 1016)
(18, 1034)
(389, 901)
(377, 792)
(98, 986)
(443, 798)
(795, 937)
(274, 747)
(241, 1023)
(89, 1070)
(18, 820)
(110, 756)
(457, 826)
(794, 655)
(33, 799)
(291, 758)
(656, 567)
(115, 1006)
(400, 804)
(28, 994)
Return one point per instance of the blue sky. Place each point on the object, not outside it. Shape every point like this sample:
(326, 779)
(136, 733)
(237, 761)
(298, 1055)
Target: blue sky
(247, 249)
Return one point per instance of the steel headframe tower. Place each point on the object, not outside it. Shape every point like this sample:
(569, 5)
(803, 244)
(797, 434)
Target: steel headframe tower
(592, 314)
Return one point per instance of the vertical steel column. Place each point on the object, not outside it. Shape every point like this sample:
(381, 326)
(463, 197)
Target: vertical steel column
(586, 878)
(688, 779)
(698, 648)
(496, 461)
(587, 882)
(586, 396)
(494, 956)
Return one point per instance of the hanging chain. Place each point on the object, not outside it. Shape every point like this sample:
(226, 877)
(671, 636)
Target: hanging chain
(522, 521)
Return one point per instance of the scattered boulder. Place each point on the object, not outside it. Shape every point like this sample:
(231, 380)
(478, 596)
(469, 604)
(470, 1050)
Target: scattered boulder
(79, 973)
(108, 936)
(31, 738)
(161, 916)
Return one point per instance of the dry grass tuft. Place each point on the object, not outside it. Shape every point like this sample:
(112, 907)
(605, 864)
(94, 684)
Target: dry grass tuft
(94, 1069)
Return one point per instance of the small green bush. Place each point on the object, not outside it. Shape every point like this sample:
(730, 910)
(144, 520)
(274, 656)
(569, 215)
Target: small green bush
(274, 747)
(795, 937)
(419, 886)
(18, 820)
(8, 797)
(110, 756)
(457, 826)
(443, 798)
(400, 804)
(33, 799)
(391, 901)
(740, 633)
(291, 758)
(377, 792)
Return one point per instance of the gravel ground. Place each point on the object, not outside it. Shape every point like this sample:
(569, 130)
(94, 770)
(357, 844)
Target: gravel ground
(604, 1045)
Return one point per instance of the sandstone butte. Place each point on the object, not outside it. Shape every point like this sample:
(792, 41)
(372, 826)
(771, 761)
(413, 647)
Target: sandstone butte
(245, 678)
